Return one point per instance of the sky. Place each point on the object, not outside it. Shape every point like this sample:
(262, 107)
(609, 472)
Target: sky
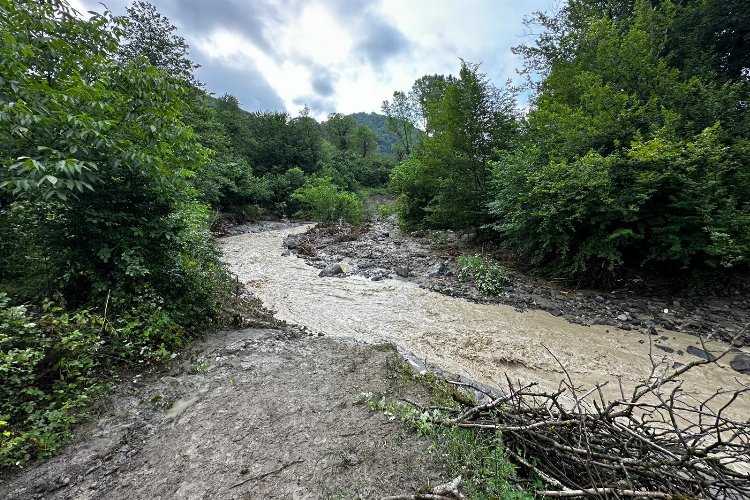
(339, 55)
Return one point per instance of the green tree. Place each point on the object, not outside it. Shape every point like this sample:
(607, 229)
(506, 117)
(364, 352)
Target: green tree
(95, 158)
(339, 130)
(401, 118)
(446, 183)
(623, 161)
(149, 34)
(365, 141)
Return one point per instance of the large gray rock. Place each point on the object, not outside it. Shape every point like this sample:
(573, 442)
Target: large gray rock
(402, 271)
(436, 270)
(335, 269)
(741, 363)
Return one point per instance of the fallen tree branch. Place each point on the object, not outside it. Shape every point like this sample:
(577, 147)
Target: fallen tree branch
(266, 474)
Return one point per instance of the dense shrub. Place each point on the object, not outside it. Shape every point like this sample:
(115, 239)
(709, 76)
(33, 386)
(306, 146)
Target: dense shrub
(626, 159)
(322, 201)
(488, 277)
(98, 217)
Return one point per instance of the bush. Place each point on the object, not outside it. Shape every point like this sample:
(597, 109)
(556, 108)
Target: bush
(488, 277)
(323, 202)
(49, 365)
(679, 205)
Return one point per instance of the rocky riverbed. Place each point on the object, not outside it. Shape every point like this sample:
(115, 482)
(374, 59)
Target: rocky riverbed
(381, 250)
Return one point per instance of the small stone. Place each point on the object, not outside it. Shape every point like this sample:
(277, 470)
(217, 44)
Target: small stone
(677, 365)
(622, 317)
(664, 348)
(286, 253)
(556, 312)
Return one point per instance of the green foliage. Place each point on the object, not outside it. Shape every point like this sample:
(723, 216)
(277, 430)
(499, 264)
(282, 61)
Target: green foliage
(623, 161)
(377, 123)
(48, 364)
(479, 457)
(488, 277)
(149, 34)
(322, 201)
(339, 130)
(446, 181)
(97, 214)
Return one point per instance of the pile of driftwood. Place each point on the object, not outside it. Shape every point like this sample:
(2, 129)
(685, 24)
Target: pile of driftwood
(656, 442)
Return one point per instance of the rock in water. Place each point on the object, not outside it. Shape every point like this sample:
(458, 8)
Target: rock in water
(741, 363)
(330, 270)
(335, 269)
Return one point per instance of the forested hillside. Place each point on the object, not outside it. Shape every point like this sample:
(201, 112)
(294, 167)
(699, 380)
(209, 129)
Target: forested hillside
(388, 140)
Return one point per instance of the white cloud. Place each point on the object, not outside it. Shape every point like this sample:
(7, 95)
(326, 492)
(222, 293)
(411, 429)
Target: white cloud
(346, 56)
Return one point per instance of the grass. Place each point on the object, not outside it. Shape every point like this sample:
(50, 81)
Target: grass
(478, 456)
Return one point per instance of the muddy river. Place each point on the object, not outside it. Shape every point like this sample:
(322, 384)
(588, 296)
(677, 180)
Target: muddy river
(482, 342)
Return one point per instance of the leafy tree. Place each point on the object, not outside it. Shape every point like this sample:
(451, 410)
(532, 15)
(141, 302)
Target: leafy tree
(149, 34)
(401, 118)
(339, 130)
(624, 161)
(95, 159)
(446, 182)
(377, 123)
(365, 141)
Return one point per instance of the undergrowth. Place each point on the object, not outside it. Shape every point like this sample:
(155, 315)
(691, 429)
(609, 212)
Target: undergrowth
(488, 277)
(478, 456)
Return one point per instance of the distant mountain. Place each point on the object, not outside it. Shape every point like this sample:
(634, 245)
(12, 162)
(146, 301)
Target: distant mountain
(376, 121)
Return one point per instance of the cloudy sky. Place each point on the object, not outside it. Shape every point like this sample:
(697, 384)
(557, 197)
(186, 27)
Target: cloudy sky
(339, 55)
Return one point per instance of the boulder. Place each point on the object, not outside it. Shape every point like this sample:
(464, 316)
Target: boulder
(741, 363)
(436, 270)
(334, 269)
(402, 271)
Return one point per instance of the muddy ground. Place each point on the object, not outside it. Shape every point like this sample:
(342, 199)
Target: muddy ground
(381, 250)
(254, 413)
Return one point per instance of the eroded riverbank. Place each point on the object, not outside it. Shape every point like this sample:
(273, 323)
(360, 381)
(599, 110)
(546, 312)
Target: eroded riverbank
(479, 341)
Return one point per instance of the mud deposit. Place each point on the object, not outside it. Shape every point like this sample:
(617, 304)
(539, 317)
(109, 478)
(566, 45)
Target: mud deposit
(483, 342)
(256, 415)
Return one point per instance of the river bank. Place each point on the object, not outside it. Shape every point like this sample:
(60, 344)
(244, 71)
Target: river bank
(251, 413)
(429, 260)
(478, 341)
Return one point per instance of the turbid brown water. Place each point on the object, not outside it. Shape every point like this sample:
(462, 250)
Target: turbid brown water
(480, 341)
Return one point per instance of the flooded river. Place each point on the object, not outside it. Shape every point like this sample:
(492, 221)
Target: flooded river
(480, 341)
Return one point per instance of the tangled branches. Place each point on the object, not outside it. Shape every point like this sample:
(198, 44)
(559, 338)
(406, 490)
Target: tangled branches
(659, 442)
